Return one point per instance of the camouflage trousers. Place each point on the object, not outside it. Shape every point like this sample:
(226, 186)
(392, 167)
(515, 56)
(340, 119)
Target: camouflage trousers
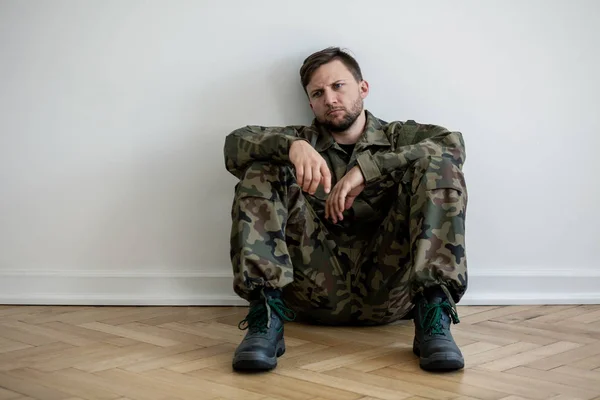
(369, 275)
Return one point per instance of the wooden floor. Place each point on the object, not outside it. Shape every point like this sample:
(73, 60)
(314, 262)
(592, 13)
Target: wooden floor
(154, 353)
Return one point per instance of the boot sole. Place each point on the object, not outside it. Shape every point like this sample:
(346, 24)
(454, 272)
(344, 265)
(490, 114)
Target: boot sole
(257, 361)
(439, 361)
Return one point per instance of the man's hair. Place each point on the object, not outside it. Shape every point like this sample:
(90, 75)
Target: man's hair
(315, 60)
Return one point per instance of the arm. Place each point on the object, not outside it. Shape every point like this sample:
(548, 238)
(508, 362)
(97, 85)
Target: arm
(258, 143)
(423, 141)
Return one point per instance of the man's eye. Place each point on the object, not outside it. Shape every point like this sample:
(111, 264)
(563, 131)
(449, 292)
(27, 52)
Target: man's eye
(338, 85)
(316, 94)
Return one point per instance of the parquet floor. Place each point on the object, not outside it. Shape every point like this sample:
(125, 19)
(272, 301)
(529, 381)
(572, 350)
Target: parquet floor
(160, 353)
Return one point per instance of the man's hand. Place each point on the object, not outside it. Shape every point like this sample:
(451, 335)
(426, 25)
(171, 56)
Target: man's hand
(311, 168)
(343, 194)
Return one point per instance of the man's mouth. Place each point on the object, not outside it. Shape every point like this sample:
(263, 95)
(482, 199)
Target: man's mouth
(334, 111)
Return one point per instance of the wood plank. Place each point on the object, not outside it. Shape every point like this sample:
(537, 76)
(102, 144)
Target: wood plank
(327, 353)
(189, 384)
(543, 330)
(171, 334)
(499, 353)
(567, 357)
(495, 381)
(23, 336)
(395, 383)
(23, 358)
(131, 334)
(319, 335)
(478, 348)
(383, 361)
(275, 385)
(7, 346)
(48, 314)
(6, 394)
(76, 355)
(529, 356)
(52, 334)
(464, 311)
(533, 312)
(11, 312)
(563, 384)
(495, 313)
(30, 388)
(65, 384)
(89, 334)
(506, 332)
(94, 314)
(223, 358)
(592, 376)
(464, 333)
(588, 363)
(586, 318)
(417, 376)
(343, 384)
(142, 353)
(562, 315)
(179, 358)
(582, 336)
(354, 358)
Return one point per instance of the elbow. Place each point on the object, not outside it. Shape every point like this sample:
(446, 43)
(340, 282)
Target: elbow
(456, 147)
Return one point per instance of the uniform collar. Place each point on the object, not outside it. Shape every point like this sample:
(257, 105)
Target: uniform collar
(372, 135)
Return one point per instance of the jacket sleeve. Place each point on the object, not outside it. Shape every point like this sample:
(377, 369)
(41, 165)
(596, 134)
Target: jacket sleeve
(413, 141)
(258, 143)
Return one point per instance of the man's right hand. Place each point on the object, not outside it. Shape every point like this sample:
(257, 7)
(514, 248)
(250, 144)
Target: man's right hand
(311, 168)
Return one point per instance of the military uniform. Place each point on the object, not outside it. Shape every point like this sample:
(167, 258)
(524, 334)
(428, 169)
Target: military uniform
(405, 231)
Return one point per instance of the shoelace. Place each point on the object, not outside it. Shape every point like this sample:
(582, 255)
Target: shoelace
(433, 316)
(258, 319)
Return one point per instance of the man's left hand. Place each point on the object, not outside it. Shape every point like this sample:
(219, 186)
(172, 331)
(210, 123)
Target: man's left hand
(343, 194)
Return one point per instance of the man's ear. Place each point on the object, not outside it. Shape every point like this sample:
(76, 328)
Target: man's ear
(364, 89)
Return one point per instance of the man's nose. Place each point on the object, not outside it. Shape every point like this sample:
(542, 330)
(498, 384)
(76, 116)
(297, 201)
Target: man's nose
(330, 98)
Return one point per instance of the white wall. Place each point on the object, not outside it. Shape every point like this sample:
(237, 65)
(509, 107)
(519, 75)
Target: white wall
(113, 116)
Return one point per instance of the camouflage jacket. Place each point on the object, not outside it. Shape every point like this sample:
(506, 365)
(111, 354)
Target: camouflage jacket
(384, 152)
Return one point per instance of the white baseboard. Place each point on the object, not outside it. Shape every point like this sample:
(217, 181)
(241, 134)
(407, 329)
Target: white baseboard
(533, 286)
(65, 287)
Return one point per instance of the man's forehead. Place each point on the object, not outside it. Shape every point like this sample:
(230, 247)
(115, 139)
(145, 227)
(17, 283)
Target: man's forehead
(329, 73)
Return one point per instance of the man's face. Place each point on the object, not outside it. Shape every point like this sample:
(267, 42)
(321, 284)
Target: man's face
(335, 97)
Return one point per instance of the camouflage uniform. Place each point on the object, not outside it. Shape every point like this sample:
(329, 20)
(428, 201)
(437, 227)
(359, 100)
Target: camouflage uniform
(404, 232)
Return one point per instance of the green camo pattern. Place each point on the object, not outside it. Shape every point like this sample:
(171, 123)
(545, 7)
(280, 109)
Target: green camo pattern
(404, 232)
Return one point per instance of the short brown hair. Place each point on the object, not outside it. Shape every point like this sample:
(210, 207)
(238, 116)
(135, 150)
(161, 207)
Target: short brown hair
(315, 60)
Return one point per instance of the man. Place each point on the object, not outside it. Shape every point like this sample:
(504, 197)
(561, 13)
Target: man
(348, 221)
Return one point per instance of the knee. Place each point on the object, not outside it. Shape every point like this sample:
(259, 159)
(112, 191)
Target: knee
(263, 178)
(270, 171)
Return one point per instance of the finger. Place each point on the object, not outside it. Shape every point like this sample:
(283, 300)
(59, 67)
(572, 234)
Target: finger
(316, 179)
(347, 203)
(326, 177)
(307, 178)
(328, 205)
(299, 174)
(340, 200)
(336, 215)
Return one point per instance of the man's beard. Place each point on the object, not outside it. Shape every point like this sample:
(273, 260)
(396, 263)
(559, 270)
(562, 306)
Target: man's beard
(348, 119)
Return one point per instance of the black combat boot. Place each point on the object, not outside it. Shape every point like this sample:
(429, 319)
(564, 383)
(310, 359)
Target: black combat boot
(433, 343)
(264, 341)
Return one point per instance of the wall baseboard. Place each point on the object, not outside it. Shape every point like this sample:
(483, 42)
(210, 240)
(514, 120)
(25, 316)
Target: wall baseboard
(188, 288)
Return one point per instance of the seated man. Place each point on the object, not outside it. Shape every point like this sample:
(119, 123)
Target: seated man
(348, 221)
